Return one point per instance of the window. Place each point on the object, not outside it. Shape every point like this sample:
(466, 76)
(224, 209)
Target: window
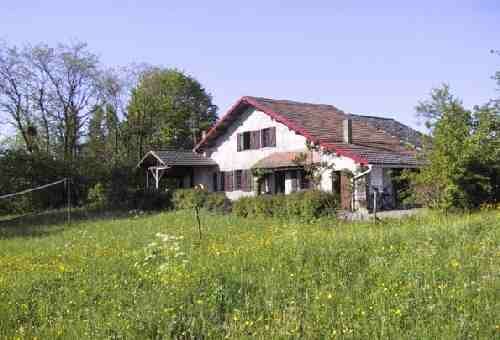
(238, 174)
(268, 137)
(246, 140)
(254, 140)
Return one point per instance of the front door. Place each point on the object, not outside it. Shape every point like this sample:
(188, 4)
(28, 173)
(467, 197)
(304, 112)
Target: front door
(345, 192)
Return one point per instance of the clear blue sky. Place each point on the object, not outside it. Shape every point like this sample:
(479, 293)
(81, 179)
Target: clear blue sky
(372, 57)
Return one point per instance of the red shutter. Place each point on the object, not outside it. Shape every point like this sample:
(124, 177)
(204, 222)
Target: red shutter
(257, 139)
(252, 140)
(244, 183)
(272, 136)
(229, 181)
(239, 141)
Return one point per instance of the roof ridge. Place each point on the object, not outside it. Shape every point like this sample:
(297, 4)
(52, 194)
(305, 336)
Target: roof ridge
(370, 116)
(288, 101)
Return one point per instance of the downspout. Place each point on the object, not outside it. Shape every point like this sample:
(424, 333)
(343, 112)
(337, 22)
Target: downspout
(354, 182)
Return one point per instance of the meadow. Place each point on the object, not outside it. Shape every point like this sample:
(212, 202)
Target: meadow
(150, 276)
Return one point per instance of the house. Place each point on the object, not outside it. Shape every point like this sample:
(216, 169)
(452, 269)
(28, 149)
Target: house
(260, 146)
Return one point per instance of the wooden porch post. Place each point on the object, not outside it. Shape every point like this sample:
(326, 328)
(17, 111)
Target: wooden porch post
(157, 179)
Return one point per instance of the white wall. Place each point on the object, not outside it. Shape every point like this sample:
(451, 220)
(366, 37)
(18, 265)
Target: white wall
(338, 163)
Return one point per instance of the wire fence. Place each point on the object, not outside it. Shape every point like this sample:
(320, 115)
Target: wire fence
(66, 182)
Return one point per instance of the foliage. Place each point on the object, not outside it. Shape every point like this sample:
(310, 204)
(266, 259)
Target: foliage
(97, 197)
(462, 167)
(168, 108)
(21, 170)
(307, 205)
(150, 200)
(430, 276)
(191, 198)
(313, 170)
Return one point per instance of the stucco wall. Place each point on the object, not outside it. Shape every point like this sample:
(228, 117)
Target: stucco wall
(225, 150)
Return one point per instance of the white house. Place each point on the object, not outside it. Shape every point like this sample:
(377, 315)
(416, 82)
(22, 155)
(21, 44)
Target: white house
(260, 146)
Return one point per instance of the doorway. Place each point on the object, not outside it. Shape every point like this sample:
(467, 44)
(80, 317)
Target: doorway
(279, 182)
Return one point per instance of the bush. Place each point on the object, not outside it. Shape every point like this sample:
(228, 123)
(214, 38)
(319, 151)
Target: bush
(96, 197)
(217, 202)
(304, 204)
(151, 200)
(189, 198)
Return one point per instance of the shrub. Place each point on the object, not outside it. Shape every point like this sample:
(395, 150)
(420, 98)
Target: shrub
(151, 200)
(217, 202)
(189, 198)
(304, 204)
(96, 197)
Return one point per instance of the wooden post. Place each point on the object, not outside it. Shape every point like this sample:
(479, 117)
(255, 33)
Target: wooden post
(157, 179)
(69, 200)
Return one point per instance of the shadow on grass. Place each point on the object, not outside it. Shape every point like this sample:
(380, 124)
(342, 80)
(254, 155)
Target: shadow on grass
(50, 222)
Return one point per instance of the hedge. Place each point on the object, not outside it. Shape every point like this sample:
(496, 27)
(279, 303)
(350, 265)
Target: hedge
(212, 201)
(304, 204)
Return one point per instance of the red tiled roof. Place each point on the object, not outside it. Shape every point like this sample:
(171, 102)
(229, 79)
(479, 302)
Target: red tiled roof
(322, 124)
(285, 159)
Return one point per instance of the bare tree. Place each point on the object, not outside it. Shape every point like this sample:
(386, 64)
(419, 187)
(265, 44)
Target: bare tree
(15, 93)
(71, 86)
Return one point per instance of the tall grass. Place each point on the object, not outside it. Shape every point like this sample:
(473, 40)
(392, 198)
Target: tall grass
(150, 277)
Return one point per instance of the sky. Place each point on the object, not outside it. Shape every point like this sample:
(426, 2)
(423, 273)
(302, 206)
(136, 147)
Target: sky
(365, 57)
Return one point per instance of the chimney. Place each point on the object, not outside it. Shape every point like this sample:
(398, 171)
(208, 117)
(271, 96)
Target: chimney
(347, 131)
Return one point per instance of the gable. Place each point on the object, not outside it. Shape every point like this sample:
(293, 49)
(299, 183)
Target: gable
(224, 147)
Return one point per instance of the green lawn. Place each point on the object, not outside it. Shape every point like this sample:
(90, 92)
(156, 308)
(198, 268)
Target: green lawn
(425, 278)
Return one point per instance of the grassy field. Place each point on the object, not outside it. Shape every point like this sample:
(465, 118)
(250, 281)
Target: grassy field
(150, 276)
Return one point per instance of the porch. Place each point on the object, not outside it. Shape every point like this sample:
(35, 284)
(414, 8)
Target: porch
(174, 169)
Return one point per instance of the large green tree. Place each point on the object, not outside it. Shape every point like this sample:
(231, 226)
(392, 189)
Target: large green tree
(168, 108)
(462, 155)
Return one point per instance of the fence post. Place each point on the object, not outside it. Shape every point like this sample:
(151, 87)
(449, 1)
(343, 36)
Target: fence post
(375, 205)
(69, 199)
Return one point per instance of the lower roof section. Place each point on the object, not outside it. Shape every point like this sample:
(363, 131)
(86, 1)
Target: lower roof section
(178, 158)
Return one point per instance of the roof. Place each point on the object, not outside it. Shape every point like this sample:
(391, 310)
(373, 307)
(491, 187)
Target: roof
(394, 128)
(322, 124)
(284, 160)
(179, 158)
(381, 157)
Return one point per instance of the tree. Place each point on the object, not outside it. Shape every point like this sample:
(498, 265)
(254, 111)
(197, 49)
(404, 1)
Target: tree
(462, 157)
(48, 94)
(16, 93)
(168, 109)
(71, 78)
